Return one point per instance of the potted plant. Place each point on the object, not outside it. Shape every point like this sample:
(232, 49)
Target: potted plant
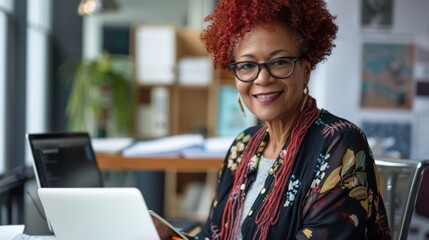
(101, 100)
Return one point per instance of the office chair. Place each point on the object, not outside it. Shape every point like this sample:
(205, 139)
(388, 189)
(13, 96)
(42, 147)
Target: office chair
(399, 185)
(419, 226)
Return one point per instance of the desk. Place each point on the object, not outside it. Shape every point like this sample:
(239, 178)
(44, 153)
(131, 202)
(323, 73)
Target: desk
(108, 161)
(171, 166)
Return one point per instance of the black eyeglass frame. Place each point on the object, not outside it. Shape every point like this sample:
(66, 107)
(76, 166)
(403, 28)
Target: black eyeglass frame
(233, 67)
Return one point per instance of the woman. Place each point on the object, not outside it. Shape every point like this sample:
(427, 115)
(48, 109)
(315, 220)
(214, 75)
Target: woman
(305, 173)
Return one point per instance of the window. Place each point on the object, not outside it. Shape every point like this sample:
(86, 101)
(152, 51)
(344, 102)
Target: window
(38, 28)
(5, 8)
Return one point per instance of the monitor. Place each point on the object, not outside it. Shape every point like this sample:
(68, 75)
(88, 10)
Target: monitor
(64, 160)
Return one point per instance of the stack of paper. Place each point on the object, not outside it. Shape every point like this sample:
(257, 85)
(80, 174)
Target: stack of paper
(166, 146)
(8, 232)
(111, 145)
(215, 147)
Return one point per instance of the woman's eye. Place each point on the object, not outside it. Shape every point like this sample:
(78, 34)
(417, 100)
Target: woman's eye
(246, 66)
(280, 62)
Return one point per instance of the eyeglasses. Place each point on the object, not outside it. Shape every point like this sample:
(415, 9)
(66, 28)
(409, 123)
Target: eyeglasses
(281, 68)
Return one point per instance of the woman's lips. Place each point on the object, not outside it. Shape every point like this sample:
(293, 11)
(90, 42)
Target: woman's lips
(267, 97)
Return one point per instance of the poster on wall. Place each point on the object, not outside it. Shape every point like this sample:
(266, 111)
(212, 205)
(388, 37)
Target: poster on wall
(387, 76)
(376, 14)
(388, 139)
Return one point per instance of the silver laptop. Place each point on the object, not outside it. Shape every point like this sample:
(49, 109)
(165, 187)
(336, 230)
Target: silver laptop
(98, 213)
(64, 160)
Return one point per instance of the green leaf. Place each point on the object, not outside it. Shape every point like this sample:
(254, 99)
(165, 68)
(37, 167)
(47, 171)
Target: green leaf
(360, 160)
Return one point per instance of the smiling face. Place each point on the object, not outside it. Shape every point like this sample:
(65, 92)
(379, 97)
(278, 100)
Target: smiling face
(268, 98)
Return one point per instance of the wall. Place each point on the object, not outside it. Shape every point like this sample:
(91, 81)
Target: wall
(336, 84)
(178, 12)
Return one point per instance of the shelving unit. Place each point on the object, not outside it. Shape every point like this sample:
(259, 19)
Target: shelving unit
(192, 108)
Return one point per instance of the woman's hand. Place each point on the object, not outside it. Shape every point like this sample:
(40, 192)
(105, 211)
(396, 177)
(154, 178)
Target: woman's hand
(164, 231)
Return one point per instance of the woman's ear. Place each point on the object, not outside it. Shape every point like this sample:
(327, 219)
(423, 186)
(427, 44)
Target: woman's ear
(307, 71)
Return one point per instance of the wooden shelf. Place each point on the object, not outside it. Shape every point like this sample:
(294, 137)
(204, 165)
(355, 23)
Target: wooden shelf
(119, 162)
(188, 109)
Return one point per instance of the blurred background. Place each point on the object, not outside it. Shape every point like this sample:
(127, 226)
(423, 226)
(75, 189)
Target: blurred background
(136, 69)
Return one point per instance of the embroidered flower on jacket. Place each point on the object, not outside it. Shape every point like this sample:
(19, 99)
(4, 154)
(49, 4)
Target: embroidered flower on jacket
(236, 151)
(351, 218)
(283, 154)
(232, 164)
(233, 152)
(240, 146)
(319, 122)
(253, 160)
(320, 168)
(292, 190)
(215, 232)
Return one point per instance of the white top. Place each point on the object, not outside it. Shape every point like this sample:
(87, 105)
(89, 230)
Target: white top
(254, 189)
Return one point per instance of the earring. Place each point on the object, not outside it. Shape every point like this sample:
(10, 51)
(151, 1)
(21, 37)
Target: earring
(241, 105)
(306, 93)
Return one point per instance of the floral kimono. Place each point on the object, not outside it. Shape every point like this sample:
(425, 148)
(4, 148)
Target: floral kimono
(332, 191)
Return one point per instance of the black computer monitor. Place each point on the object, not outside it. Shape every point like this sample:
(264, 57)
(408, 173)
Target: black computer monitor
(64, 160)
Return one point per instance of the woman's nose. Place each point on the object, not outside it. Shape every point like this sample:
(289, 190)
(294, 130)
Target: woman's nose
(264, 77)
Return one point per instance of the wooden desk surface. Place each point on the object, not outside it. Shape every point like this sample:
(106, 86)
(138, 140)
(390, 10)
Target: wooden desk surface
(118, 162)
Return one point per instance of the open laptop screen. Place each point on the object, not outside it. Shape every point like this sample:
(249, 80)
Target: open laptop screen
(64, 160)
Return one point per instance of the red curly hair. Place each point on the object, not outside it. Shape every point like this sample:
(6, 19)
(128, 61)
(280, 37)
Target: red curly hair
(309, 20)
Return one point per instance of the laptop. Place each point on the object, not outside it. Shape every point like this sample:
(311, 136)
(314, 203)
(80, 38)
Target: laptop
(64, 160)
(70, 180)
(98, 213)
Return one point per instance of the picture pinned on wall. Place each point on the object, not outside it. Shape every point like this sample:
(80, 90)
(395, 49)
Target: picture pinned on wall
(388, 139)
(387, 76)
(376, 14)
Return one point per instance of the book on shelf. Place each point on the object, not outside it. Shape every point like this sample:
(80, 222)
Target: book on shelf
(160, 109)
(144, 120)
(153, 117)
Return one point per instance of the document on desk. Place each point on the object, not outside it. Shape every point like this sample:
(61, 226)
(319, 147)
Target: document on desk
(111, 145)
(8, 232)
(213, 147)
(167, 146)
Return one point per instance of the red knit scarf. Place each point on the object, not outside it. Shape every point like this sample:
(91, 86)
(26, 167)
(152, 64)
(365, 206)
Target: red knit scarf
(270, 210)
